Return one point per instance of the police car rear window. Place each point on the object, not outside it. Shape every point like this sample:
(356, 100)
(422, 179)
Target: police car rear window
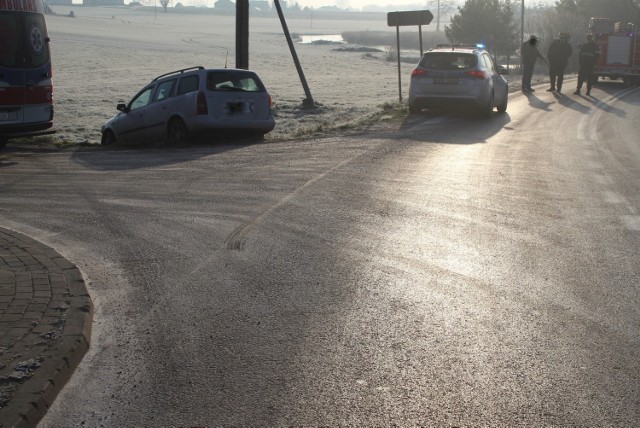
(448, 60)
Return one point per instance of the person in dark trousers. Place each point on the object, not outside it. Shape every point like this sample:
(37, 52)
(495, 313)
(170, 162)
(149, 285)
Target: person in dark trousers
(587, 59)
(559, 52)
(529, 54)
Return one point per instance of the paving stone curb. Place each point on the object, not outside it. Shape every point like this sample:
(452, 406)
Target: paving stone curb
(32, 264)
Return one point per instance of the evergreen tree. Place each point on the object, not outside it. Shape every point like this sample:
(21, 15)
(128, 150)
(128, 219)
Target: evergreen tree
(485, 21)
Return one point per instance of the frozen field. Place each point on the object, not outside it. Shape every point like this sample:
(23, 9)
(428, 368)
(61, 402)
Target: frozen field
(105, 55)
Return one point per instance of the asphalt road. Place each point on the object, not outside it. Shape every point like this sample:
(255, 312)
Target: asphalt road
(456, 271)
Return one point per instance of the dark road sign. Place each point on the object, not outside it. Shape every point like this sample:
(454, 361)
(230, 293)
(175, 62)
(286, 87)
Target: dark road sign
(399, 19)
(414, 17)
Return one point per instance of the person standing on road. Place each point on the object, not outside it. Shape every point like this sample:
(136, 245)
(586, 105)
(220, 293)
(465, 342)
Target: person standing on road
(559, 52)
(528, 55)
(587, 59)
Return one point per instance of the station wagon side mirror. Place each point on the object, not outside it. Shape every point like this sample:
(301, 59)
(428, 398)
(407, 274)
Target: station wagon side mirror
(503, 70)
(122, 107)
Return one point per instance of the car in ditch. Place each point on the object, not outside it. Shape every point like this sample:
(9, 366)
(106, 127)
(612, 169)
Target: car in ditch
(460, 78)
(184, 104)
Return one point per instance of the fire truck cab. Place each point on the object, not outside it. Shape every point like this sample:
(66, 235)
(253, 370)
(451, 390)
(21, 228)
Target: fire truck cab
(619, 50)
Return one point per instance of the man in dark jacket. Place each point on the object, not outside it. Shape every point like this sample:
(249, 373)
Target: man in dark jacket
(587, 59)
(529, 54)
(559, 52)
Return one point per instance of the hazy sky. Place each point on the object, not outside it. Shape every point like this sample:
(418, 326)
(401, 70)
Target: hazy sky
(380, 5)
(359, 4)
(391, 4)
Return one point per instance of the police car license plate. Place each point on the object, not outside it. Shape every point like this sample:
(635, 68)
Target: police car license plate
(6, 116)
(445, 80)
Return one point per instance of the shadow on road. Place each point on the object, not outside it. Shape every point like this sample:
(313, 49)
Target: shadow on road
(615, 88)
(461, 127)
(119, 158)
(569, 102)
(536, 102)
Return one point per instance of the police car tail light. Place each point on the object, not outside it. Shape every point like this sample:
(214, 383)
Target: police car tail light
(201, 106)
(418, 72)
(476, 74)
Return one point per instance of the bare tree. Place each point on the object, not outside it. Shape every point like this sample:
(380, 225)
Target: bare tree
(617, 10)
(165, 4)
(441, 9)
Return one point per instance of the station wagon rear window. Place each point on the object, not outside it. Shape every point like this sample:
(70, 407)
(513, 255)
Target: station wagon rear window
(234, 81)
(448, 61)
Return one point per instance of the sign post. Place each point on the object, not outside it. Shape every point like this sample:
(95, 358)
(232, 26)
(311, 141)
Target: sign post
(399, 19)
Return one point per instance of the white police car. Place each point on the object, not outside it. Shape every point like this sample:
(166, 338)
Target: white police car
(458, 77)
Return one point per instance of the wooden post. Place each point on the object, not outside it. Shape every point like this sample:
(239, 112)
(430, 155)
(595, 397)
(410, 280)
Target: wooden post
(242, 34)
(399, 72)
(309, 100)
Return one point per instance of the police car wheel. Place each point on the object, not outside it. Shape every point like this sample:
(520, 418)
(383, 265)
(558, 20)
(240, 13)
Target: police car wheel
(488, 109)
(503, 106)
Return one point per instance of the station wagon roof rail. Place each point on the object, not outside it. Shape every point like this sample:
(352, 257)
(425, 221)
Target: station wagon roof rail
(178, 71)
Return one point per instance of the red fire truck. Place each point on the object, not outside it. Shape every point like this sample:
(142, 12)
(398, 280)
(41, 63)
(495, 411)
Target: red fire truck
(619, 50)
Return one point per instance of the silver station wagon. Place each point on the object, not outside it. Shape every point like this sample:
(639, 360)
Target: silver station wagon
(462, 78)
(182, 104)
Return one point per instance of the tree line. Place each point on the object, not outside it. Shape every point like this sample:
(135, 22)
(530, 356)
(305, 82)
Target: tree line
(497, 23)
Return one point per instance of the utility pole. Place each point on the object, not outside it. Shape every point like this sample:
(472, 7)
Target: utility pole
(242, 34)
(437, 13)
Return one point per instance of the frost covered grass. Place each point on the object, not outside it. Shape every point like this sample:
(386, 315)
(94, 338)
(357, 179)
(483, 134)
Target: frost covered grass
(103, 56)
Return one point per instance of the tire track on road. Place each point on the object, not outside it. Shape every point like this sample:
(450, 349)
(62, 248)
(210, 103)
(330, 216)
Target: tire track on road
(236, 239)
(587, 131)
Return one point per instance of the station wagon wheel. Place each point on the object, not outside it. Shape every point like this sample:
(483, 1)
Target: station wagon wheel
(108, 138)
(413, 109)
(177, 132)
